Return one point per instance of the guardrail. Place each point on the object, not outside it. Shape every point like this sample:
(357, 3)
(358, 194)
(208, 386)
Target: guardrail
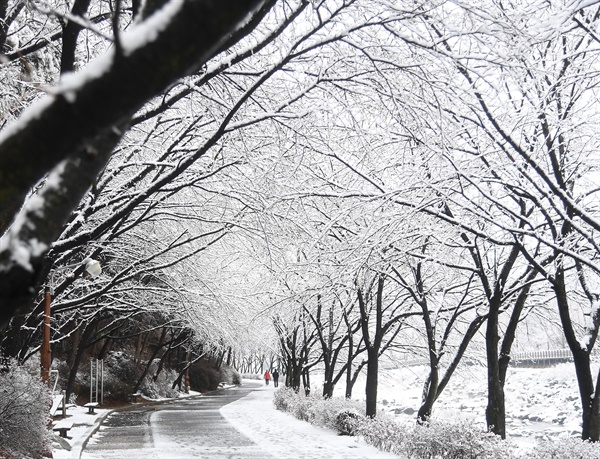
(518, 359)
(541, 358)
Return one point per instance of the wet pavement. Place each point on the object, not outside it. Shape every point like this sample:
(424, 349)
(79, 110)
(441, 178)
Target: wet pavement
(188, 428)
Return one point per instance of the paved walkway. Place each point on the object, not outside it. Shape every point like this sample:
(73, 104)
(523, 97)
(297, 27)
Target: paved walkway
(237, 423)
(186, 428)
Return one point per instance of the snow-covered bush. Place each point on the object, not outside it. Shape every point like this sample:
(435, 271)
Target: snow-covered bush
(565, 448)
(454, 440)
(162, 387)
(230, 375)
(381, 432)
(347, 421)
(298, 405)
(283, 398)
(438, 440)
(120, 374)
(24, 413)
(314, 408)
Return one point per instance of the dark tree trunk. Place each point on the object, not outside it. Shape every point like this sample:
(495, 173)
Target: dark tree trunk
(3, 24)
(75, 343)
(590, 422)
(70, 34)
(431, 392)
(288, 373)
(372, 381)
(229, 357)
(296, 375)
(349, 383)
(106, 347)
(306, 381)
(495, 411)
(219, 360)
(328, 384)
(430, 389)
(590, 427)
(89, 330)
(373, 344)
(151, 360)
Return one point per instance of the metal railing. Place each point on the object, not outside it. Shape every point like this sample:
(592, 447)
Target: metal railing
(541, 358)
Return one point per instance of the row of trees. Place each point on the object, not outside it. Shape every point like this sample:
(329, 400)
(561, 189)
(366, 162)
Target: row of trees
(372, 177)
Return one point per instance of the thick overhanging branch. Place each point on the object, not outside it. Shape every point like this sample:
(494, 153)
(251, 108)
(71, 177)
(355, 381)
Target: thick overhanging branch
(84, 119)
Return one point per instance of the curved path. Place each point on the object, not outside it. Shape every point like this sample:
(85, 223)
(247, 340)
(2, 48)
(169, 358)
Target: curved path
(236, 423)
(188, 428)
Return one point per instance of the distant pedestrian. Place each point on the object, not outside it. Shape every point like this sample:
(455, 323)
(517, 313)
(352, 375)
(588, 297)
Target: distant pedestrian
(275, 378)
(267, 376)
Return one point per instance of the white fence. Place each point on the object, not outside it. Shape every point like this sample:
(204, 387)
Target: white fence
(543, 355)
(541, 358)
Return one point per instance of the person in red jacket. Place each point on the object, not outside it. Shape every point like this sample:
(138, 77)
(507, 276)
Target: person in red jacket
(267, 376)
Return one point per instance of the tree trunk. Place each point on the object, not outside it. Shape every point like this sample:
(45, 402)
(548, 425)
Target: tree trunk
(89, 330)
(328, 386)
(590, 426)
(75, 343)
(306, 381)
(70, 34)
(349, 383)
(372, 380)
(495, 411)
(150, 361)
(106, 347)
(296, 375)
(430, 392)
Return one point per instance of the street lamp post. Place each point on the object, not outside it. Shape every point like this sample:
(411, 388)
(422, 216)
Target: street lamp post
(93, 269)
(187, 372)
(46, 357)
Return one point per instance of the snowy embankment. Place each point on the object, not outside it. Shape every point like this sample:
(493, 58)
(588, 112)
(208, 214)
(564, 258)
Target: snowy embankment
(540, 402)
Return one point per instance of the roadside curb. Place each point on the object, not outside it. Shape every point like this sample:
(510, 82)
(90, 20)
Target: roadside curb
(77, 449)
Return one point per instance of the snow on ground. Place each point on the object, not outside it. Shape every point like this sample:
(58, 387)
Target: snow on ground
(540, 402)
(256, 417)
(285, 436)
(84, 425)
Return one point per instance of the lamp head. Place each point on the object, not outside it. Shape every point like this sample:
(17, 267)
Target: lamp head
(92, 267)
